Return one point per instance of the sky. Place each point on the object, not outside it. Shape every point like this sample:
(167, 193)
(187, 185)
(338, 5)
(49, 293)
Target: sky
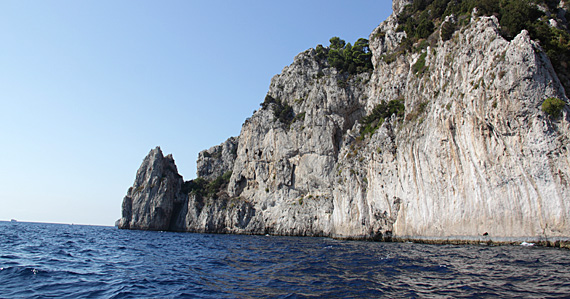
(88, 88)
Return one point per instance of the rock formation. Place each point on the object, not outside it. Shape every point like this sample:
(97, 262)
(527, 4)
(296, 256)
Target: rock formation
(217, 160)
(152, 200)
(470, 158)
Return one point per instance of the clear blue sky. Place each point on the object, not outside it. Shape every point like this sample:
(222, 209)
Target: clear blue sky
(87, 88)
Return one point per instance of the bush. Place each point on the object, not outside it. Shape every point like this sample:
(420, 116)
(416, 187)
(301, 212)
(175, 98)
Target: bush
(195, 186)
(375, 119)
(553, 106)
(206, 188)
(420, 65)
(219, 183)
(282, 112)
(425, 29)
(299, 117)
(556, 44)
(342, 83)
(347, 58)
(416, 22)
(447, 30)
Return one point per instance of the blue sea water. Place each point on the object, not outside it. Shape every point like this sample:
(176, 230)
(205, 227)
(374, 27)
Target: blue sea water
(70, 261)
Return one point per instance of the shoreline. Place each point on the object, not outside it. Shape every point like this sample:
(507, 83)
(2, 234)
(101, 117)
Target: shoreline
(555, 242)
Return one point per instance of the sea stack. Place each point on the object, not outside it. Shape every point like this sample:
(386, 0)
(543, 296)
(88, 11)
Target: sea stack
(458, 133)
(151, 201)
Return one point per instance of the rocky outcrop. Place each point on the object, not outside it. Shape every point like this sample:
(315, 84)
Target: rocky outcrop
(398, 5)
(155, 194)
(470, 158)
(217, 160)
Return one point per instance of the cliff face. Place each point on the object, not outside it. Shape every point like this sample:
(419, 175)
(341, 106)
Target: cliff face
(471, 153)
(478, 155)
(217, 160)
(154, 197)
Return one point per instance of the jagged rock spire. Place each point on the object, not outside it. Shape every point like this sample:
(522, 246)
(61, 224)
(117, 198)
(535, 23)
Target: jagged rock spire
(149, 202)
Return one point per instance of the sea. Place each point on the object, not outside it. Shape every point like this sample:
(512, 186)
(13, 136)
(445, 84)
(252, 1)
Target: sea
(39, 260)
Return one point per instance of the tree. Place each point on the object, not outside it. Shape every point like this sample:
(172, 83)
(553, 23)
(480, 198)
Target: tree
(345, 57)
(425, 29)
(337, 43)
(516, 16)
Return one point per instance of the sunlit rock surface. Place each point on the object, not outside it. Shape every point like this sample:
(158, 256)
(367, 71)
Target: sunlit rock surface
(473, 159)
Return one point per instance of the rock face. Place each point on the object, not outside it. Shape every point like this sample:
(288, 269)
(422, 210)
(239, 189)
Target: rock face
(151, 201)
(481, 156)
(473, 158)
(217, 160)
(398, 5)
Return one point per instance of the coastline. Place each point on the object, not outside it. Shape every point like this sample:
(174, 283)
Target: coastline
(560, 242)
(556, 242)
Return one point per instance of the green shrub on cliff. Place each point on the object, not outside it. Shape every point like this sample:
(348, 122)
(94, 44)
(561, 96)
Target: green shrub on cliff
(553, 106)
(381, 112)
(421, 18)
(347, 58)
(447, 30)
(205, 188)
(219, 183)
(420, 66)
(282, 111)
(195, 186)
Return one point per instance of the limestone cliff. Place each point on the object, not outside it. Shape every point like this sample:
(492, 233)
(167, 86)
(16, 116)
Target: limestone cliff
(217, 160)
(153, 198)
(471, 156)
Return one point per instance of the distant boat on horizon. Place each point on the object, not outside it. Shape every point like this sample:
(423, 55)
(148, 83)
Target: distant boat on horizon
(13, 220)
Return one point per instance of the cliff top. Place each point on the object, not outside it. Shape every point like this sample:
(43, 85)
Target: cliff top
(424, 22)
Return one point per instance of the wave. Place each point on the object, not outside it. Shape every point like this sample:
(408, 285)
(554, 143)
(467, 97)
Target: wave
(71, 262)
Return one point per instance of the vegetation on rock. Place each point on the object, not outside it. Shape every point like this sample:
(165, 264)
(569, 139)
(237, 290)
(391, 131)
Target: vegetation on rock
(381, 112)
(347, 58)
(282, 111)
(553, 106)
(539, 17)
(207, 188)
(420, 65)
(447, 30)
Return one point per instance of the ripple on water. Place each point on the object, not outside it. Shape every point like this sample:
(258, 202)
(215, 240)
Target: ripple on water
(82, 261)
